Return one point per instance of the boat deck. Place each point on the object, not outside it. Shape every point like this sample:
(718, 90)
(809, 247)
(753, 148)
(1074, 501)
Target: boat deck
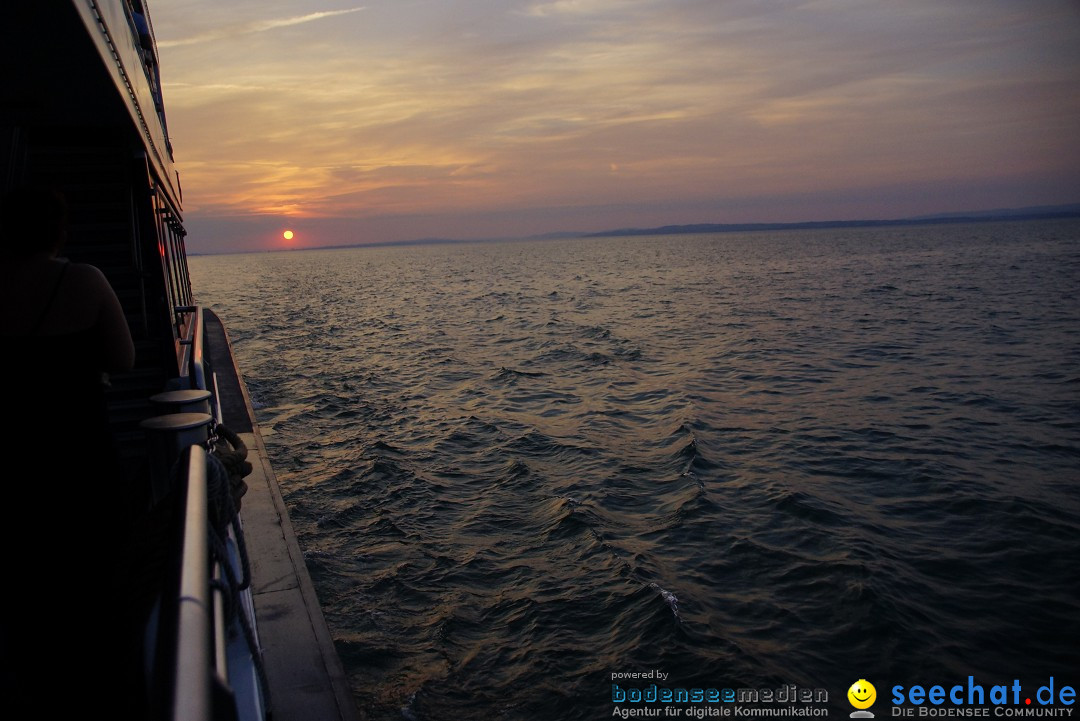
(305, 675)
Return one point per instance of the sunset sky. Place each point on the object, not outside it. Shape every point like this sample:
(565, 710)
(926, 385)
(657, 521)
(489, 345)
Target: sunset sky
(402, 119)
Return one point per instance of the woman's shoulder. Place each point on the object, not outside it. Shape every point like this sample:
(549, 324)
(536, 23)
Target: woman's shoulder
(83, 270)
(89, 283)
(86, 277)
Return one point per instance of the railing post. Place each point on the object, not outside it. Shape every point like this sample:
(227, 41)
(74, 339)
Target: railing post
(196, 360)
(168, 435)
(192, 689)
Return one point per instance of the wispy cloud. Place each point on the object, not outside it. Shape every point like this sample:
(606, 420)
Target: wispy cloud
(571, 7)
(432, 107)
(255, 27)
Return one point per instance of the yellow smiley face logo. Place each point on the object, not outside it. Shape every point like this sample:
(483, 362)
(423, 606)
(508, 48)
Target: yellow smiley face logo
(862, 694)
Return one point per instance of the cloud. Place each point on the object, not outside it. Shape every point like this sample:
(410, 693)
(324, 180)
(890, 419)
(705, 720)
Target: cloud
(578, 7)
(438, 106)
(257, 26)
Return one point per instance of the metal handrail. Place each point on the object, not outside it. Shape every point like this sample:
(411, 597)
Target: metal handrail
(209, 657)
(198, 358)
(192, 690)
(216, 410)
(196, 354)
(205, 649)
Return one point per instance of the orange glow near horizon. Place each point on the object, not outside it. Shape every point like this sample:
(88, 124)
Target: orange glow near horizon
(579, 115)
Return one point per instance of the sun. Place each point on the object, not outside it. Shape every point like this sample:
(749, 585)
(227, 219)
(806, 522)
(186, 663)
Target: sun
(287, 235)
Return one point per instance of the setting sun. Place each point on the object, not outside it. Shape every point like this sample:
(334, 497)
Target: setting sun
(288, 235)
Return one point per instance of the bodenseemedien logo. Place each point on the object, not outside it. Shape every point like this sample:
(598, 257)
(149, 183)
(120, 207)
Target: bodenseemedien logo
(862, 695)
(658, 698)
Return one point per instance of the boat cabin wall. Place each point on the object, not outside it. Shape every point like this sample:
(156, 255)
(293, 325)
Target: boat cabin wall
(120, 222)
(65, 123)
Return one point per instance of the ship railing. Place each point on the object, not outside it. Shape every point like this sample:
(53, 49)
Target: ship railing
(195, 369)
(193, 690)
(192, 347)
(216, 673)
(217, 656)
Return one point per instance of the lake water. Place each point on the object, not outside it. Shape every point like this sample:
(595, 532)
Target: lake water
(744, 460)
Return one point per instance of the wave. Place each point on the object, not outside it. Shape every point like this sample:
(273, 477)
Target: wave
(518, 468)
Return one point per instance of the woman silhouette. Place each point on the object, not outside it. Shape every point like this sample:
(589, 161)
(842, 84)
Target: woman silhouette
(48, 301)
(62, 327)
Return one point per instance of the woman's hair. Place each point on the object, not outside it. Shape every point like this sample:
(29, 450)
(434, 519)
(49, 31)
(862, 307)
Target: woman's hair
(33, 219)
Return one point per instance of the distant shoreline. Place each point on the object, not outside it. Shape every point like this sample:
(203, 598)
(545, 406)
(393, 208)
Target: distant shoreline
(1053, 212)
(1020, 214)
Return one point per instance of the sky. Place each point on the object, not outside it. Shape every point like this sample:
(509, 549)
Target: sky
(396, 120)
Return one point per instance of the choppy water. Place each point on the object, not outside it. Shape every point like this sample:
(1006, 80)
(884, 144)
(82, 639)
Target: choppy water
(744, 459)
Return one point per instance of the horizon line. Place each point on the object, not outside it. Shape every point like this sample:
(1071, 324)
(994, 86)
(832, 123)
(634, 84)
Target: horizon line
(1037, 212)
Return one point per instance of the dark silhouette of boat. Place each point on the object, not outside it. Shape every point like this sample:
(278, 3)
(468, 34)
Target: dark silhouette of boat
(230, 636)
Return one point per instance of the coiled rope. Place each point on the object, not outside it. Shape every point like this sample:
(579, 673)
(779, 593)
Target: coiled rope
(225, 471)
(233, 455)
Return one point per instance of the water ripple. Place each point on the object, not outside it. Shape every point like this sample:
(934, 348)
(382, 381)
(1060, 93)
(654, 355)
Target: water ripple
(798, 457)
